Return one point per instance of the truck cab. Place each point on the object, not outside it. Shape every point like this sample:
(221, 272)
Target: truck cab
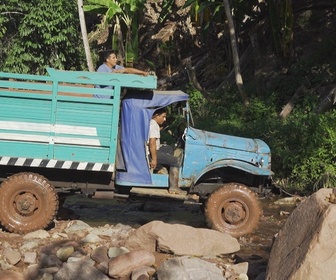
(56, 139)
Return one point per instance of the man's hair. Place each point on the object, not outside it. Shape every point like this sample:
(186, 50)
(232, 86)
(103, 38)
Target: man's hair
(160, 111)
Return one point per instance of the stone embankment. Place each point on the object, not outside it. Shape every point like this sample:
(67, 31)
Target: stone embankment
(157, 250)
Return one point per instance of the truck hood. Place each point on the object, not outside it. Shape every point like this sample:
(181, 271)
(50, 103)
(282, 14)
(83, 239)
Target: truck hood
(228, 141)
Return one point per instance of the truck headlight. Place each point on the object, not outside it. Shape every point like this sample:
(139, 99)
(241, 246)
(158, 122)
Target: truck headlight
(261, 162)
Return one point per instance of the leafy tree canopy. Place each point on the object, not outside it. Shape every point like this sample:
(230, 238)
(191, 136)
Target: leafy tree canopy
(39, 34)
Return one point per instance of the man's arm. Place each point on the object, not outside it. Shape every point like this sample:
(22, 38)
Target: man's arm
(130, 70)
(153, 154)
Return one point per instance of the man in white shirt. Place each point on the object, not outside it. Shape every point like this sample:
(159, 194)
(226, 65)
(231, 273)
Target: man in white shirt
(163, 157)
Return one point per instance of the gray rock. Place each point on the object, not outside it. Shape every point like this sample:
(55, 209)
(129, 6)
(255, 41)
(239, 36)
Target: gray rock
(38, 234)
(124, 265)
(4, 265)
(181, 240)
(49, 260)
(65, 252)
(91, 238)
(75, 226)
(47, 276)
(123, 227)
(78, 254)
(143, 273)
(289, 200)
(79, 259)
(103, 267)
(185, 268)
(240, 268)
(5, 245)
(30, 257)
(29, 246)
(117, 251)
(83, 270)
(58, 235)
(100, 254)
(305, 246)
(50, 270)
(32, 272)
(12, 256)
(104, 231)
(123, 231)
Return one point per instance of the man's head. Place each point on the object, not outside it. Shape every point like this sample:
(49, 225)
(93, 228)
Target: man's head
(160, 116)
(110, 58)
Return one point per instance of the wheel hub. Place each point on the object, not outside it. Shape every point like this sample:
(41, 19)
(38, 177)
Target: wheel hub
(234, 213)
(26, 203)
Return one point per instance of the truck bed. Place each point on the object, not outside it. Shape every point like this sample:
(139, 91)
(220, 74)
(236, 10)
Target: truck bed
(54, 121)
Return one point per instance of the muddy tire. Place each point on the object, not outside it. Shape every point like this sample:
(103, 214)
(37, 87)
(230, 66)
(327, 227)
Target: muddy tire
(28, 202)
(234, 209)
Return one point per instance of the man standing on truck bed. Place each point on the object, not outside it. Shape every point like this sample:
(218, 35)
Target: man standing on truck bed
(158, 155)
(110, 66)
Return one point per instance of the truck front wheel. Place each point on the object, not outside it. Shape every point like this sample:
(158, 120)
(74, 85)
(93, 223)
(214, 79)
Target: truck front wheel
(28, 202)
(234, 209)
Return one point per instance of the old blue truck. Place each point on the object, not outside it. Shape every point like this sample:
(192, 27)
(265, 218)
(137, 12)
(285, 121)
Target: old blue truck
(57, 139)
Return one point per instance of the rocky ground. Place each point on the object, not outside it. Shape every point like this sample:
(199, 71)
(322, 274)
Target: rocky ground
(107, 225)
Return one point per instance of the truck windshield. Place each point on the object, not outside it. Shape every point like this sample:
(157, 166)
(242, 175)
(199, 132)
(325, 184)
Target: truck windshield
(179, 118)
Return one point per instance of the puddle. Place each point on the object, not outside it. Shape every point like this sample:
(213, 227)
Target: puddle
(260, 241)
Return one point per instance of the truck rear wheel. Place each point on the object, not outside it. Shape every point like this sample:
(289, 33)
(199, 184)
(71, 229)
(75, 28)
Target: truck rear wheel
(28, 202)
(234, 209)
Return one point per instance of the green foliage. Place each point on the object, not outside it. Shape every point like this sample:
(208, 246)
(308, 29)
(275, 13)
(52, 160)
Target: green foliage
(220, 112)
(302, 149)
(3, 20)
(47, 36)
(166, 9)
(211, 12)
(122, 15)
(196, 100)
(281, 18)
(206, 12)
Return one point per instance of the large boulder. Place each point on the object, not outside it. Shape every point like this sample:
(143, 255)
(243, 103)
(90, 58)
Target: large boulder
(181, 240)
(305, 247)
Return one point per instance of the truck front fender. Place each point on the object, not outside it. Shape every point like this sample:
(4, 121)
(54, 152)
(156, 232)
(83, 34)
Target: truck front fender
(241, 165)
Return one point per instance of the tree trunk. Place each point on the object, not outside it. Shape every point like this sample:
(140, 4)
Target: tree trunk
(290, 105)
(328, 102)
(85, 37)
(193, 79)
(117, 42)
(245, 60)
(239, 79)
(256, 60)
